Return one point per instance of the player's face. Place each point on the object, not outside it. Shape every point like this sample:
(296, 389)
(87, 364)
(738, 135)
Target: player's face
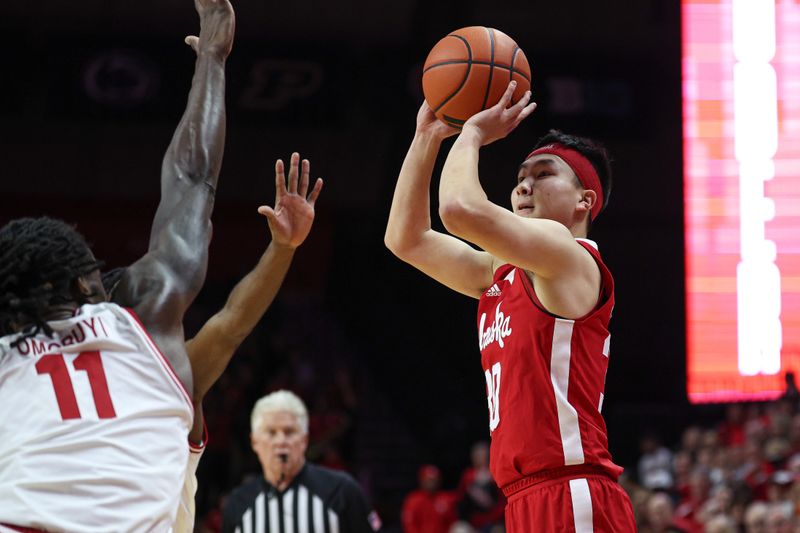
(279, 434)
(546, 188)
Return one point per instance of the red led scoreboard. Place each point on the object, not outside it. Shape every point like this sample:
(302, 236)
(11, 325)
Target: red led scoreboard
(741, 128)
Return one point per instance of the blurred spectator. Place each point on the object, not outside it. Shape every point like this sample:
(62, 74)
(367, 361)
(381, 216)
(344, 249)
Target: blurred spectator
(655, 464)
(682, 466)
(755, 518)
(794, 433)
(719, 503)
(779, 519)
(780, 487)
(756, 470)
(428, 509)
(480, 502)
(791, 392)
(462, 527)
(690, 441)
(689, 507)
(731, 431)
(755, 423)
(660, 516)
(721, 524)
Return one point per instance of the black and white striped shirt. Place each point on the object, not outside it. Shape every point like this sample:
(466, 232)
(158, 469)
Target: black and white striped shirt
(318, 500)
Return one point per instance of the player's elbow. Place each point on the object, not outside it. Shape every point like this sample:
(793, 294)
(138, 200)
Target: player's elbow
(399, 243)
(457, 215)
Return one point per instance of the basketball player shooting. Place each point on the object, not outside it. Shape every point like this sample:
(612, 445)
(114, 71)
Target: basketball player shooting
(545, 300)
(94, 392)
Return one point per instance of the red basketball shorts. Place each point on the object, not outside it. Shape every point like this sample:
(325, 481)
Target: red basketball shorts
(588, 504)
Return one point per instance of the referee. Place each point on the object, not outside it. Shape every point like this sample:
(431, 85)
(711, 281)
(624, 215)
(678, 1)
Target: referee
(293, 496)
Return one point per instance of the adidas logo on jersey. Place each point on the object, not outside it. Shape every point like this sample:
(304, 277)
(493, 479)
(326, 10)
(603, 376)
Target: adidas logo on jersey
(494, 290)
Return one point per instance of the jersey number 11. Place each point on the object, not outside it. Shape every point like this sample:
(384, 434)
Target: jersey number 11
(90, 363)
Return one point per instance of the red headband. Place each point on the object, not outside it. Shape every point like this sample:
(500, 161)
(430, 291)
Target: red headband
(582, 168)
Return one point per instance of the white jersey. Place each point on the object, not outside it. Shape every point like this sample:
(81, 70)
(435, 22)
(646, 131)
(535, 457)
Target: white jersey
(93, 427)
(184, 520)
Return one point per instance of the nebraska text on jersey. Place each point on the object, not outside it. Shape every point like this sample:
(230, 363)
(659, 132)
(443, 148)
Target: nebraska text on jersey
(498, 330)
(545, 382)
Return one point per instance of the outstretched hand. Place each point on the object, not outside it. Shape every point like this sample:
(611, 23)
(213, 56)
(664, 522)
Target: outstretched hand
(217, 26)
(428, 123)
(502, 118)
(291, 218)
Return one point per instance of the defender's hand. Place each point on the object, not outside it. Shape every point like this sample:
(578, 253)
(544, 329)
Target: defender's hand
(291, 218)
(217, 26)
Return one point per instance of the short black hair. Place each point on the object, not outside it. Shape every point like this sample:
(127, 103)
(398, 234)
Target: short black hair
(592, 150)
(40, 258)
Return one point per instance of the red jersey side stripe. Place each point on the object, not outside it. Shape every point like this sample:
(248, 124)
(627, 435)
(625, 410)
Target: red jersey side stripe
(160, 356)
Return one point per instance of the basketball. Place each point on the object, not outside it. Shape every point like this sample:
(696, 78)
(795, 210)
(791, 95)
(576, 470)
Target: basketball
(469, 70)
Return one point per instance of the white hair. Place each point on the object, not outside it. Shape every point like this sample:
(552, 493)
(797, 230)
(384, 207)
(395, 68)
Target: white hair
(279, 401)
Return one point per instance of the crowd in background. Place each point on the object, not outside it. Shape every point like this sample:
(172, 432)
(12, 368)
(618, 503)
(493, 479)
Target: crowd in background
(476, 505)
(739, 475)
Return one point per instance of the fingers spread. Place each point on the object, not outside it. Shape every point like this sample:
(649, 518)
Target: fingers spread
(294, 162)
(280, 178)
(305, 168)
(522, 102)
(506, 98)
(527, 110)
(315, 192)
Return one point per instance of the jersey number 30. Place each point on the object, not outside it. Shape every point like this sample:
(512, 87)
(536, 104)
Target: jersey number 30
(493, 395)
(90, 363)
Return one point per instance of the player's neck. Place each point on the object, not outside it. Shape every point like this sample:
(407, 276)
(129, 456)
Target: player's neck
(54, 312)
(580, 229)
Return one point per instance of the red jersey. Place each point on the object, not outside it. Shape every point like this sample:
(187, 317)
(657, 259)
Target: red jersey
(545, 377)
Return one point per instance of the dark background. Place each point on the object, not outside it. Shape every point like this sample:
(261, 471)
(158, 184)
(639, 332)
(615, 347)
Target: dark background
(92, 90)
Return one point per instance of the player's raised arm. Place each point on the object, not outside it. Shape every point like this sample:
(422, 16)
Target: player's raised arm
(289, 223)
(408, 232)
(468, 213)
(539, 234)
(195, 152)
(162, 284)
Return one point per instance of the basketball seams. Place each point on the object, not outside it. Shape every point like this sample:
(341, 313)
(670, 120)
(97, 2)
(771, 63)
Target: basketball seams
(510, 68)
(511, 71)
(490, 31)
(466, 74)
(457, 85)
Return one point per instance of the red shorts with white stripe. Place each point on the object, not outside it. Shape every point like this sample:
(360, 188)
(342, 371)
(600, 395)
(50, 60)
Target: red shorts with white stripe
(588, 504)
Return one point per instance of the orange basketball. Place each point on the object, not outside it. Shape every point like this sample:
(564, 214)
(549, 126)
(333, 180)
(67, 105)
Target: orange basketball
(469, 70)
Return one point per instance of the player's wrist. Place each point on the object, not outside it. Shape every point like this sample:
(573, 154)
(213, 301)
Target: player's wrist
(471, 135)
(428, 135)
(284, 247)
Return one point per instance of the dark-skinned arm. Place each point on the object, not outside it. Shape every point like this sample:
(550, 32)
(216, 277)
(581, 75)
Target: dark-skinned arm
(289, 222)
(163, 283)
